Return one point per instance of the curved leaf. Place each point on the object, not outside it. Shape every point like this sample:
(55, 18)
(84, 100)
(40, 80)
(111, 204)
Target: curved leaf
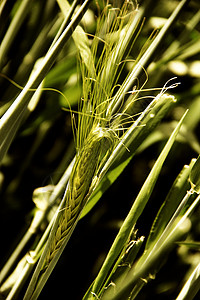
(178, 190)
(131, 219)
(195, 176)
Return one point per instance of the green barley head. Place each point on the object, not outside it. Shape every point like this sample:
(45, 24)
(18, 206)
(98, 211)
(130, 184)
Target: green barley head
(96, 136)
(101, 128)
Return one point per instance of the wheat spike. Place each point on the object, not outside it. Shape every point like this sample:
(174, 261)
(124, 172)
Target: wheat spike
(95, 147)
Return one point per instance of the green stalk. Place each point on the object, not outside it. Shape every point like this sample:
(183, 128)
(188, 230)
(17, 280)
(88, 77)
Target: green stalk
(191, 287)
(30, 260)
(30, 59)
(15, 111)
(14, 27)
(131, 218)
(66, 20)
(176, 195)
(128, 137)
(9, 264)
(144, 60)
(21, 118)
(149, 258)
(36, 223)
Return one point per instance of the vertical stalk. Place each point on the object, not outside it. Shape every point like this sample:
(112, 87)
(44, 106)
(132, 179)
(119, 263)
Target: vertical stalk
(10, 118)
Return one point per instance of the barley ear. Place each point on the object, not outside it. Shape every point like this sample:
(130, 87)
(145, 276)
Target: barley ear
(87, 163)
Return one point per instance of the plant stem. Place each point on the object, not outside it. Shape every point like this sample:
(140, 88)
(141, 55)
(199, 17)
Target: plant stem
(157, 250)
(14, 27)
(143, 61)
(37, 221)
(15, 111)
(132, 216)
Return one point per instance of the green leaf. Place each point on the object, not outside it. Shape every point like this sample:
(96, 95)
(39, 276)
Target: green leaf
(192, 285)
(190, 244)
(72, 94)
(195, 176)
(178, 190)
(135, 212)
(61, 72)
(138, 136)
(193, 117)
(163, 132)
(126, 260)
(14, 28)
(16, 110)
(81, 40)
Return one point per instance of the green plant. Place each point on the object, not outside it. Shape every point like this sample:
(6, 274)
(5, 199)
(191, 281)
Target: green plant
(116, 120)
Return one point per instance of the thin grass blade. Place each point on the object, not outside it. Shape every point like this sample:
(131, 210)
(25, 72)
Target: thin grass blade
(13, 29)
(144, 60)
(195, 176)
(192, 285)
(11, 116)
(174, 197)
(132, 217)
